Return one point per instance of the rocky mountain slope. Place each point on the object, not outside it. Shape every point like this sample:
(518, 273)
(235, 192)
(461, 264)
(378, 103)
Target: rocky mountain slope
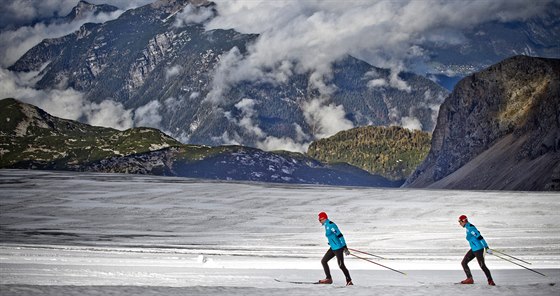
(31, 138)
(392, 152)
(144, 55)
(499, 129)
(84, 9)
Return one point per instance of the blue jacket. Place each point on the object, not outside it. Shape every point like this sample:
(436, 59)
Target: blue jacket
(335, 237)
(474, 238)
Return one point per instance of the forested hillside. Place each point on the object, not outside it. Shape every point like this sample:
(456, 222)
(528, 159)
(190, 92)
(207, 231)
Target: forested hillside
(392, 152)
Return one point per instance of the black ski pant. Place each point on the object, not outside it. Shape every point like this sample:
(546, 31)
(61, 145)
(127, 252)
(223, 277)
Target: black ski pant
(480, 258)
(339, 258)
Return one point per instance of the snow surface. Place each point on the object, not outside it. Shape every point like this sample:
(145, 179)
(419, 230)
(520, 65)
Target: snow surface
(65, 233)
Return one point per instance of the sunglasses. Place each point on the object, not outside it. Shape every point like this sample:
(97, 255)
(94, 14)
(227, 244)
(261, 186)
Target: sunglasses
(462, 221)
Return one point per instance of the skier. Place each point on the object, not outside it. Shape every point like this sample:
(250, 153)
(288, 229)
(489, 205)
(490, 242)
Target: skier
(478, 244)
(337, 248)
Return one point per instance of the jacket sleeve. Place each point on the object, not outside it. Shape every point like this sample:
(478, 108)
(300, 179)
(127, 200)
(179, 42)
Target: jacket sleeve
(477, 236)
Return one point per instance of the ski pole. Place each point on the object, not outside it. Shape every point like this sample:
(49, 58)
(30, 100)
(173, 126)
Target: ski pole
(510, 261)
(494, 250)
(377, 264)
(366, 253)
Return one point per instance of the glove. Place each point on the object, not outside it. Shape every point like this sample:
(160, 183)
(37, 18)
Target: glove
(346, 251)
(489, 251)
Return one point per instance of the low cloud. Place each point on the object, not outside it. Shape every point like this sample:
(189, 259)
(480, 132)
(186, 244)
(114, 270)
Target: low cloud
(192, 14)
(297, 37)
(107, 113)
(325, 119)
(284, 143)
(246, 121)
(71, 104)
(15, 43)
(311, 34)
(15, 13)
(148, 115)
(411, 123)
(223, 79)
(172, 71)
(247, 108)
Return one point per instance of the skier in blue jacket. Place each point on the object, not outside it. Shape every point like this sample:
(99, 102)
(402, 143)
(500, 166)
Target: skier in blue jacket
(478, 245)
(337, 248)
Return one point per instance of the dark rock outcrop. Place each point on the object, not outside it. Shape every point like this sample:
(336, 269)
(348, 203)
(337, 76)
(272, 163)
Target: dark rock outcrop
(499, 129)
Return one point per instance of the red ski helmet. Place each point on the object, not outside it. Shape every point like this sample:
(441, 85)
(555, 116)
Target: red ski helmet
(323, 215)
(462, 218)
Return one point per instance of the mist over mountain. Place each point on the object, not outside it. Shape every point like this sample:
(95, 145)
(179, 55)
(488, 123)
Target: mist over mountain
(147, 58)
(215, 73)
(30, 138)
(273, 76)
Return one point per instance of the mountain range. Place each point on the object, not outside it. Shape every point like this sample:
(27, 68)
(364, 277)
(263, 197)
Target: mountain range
(33, 139)
(145, 56)
(498, 130)
(150, 58)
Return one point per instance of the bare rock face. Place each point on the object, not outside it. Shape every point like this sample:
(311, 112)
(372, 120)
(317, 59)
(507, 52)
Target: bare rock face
(509, 112)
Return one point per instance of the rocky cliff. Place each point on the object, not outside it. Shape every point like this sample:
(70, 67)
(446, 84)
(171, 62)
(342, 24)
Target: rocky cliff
(499, 130)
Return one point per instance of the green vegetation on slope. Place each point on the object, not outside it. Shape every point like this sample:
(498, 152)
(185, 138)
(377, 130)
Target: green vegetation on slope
(392, 152)
(30, 135)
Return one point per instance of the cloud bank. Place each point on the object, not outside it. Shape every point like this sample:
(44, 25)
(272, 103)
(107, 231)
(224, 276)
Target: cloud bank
(308, 36)
(16, 13)
(294, 37)
(311, 34)
(70, 104)
(246, 120)
(22, 27)
(15, 43)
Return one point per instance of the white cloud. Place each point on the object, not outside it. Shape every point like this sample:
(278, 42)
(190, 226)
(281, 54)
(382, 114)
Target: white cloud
(298, 37)
(309, 35)
(378, 82)
(246, 106)
(411, 123)
(24, 12)
(325, 119)
(314, 33)
(109, 114)
(172, 71)
(148, 115)
(19, 12)
(193, 15)
(273, 143)
(194, 95)
(15, 43)
(246, 121)
(226, 139)
(71, 104)
(223, 78)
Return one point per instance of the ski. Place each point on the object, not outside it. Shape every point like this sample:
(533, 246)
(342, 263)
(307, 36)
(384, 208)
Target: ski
(298, 282)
